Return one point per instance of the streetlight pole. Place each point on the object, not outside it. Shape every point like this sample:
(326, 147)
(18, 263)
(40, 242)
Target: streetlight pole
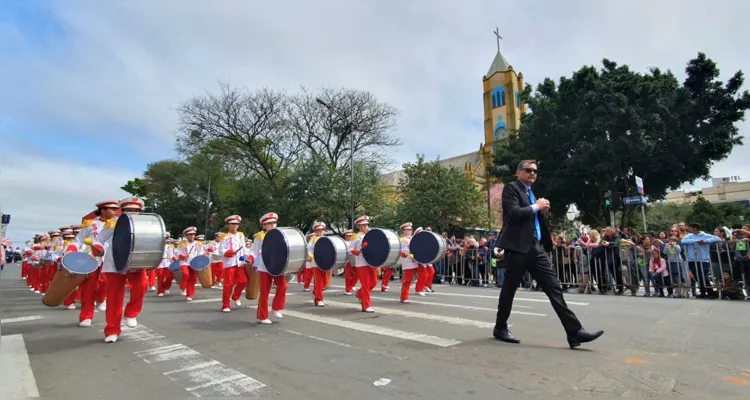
(348, 130)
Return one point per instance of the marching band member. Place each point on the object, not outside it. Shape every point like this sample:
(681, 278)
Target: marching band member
(350, 273)
(36, 272)
(106, 210)
(321, 277)
(268, 221)
(429, 272)
(53, 252)
(185, 254)
(116, 281)
(25, 264)
(308, 273)
(217, 262)
(68, 240)
(368, 277)
(235, 278)
(419, 288)
(303, 269)
(163, 273)
(408, 265)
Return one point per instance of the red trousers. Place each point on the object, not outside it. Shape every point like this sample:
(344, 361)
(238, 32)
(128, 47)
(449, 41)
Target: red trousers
(301, 275)
(88, 289)
(49, 272)
(321, 281)
(163, 280)
(308, 277)
(151, 278)
(266, 281)
(408, 279)
(387, 275)
(350, 277)
(430, 275)
(24, 269)
(368, 278)
(138, 280)
(421, 278)
(217, 272)
(36, 278)
(71, 299)
(189, 278)
(235, 281)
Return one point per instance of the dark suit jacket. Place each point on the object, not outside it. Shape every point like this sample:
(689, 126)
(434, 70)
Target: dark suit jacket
(518, 221)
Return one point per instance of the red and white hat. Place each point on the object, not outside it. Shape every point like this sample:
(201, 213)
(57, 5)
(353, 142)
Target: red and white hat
(132, 202)
(200, 237)
(190, 231)
(76, 228)
(347, 232)
(417, 231)
(405, 225)
(54, 232)
(218, 234)
(68, 233)
(363, 220)
(309, 235)
(233, 219)
(319, 225)
(269, 218)
(107, 204)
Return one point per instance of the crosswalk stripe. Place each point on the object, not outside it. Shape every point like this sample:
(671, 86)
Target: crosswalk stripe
(433, 303)
(412, 314)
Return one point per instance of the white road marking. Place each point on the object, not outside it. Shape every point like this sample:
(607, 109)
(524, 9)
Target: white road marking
(344, 344)
(20, 319)
(205, 301)
(378, 330)
(516, 298)
(432, 303)
(201, 376)
(217, 299)
(17, 378)
(412, 314)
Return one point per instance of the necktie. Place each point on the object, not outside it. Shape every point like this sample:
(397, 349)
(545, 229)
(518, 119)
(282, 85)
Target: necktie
(538, 233)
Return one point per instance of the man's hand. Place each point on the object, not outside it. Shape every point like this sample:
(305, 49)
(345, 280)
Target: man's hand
(543, 204)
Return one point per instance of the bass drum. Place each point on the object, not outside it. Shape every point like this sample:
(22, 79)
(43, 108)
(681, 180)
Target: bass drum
(74, 269)
(427, 247)
(330, 253)
(381, 248)
(284, 250)
(200, 264)
(176, 268)
(138, 241)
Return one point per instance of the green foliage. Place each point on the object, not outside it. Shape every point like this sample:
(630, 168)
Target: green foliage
(661, 216)
(706, 214)
(593, 131)
(435, 196)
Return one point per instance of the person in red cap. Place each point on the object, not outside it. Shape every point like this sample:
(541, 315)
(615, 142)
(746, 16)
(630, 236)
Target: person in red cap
(116, 281)
(368, 276)
(185, 253)
(268, 221)
(231, 248)
(350, 274)
(321, 277)
(105, 210)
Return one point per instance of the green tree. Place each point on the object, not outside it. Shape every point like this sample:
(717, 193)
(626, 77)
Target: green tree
(706, 214)
(594, 131)
(435, 196)
(733, 214)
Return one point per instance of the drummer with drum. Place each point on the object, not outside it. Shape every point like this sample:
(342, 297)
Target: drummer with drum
(368, 277)
(117, 280)
(350, 273)
(69, 239)
(268, 221)
(234, 276)
(187, 251)
(320, 276)
(308, 272)
(164, 275)
(217, 261)
(408, 265)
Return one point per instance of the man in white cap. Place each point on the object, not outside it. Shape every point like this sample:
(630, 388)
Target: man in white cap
(217, 262)
(68, 239)
(116, 281)
(350, 274)
(185, 253)
(321, 277)
(231, 249)
(54, 245)
(408, 265)
(268, 221)
(164, 275)
(305, 274)
(368, 277)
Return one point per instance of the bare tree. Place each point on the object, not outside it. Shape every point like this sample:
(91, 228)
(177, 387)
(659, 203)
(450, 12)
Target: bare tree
(253, 126)
(325, 129)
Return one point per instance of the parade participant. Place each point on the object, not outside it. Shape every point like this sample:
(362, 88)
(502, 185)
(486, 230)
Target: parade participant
(321, 277)
(217, 262)
(350, 274)
(368, 277)
(408, 265)
(268, 221)
(307, 275)
(164, 275)
(421, 272)
(185, 254)
(54, 250)
(94, 287)
(429, 272)
(235, 278)
(68, 240)
(116, 281)
(35, 259)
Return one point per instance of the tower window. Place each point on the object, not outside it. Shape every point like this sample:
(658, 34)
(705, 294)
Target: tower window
(498, 97)
(518, 99)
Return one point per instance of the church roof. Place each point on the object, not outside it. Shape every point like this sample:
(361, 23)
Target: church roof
(499, 64)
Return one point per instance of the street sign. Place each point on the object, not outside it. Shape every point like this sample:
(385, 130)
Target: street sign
(634, 200)
(639, 185)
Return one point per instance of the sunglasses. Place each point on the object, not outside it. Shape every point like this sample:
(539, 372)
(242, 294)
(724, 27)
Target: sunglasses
(530, 171)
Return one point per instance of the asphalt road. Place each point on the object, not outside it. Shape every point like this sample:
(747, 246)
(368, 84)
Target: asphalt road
(440, 346)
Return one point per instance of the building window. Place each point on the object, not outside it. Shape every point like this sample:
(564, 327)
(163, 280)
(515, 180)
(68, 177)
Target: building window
(498, 97)
(518, 99)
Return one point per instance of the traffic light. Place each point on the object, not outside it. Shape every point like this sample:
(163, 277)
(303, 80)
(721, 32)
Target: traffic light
(608, 198)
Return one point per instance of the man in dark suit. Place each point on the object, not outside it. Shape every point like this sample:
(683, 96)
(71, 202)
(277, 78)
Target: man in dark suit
(526, 241)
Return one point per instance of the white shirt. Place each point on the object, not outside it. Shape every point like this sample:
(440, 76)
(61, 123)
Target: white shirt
(356, 244)
(235, 242)
(257, 252)
(93, 231)
(407, 262)
(189, 251)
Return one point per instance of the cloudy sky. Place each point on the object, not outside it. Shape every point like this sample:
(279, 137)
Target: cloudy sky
(88, 89)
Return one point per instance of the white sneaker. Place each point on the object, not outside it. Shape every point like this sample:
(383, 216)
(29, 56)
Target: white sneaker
(36, 291)
(320, 304)
(237, 303)
(265, 322)
(72, 307)
(347, 293)
(384, 289)
(421, 294)
(188, 299)
(430, 290)
(85, 323)
(407, 301)
(306, 290)
(110, 339)
(277, 314)
(226, 310)
(166, 292)
(369, 309)
(131, 322)
(160, 295)
(221, 285)
(152, 289)
(103, 307)
(184, 292)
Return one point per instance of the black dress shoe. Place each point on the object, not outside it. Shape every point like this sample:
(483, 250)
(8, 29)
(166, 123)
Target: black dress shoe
(583, 336)
(505, 336)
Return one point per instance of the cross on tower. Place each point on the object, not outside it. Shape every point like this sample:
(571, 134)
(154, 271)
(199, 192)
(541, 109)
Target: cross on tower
(497, 33)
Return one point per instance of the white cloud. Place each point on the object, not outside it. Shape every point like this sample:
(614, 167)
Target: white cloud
(43, 193)
(133, 63)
